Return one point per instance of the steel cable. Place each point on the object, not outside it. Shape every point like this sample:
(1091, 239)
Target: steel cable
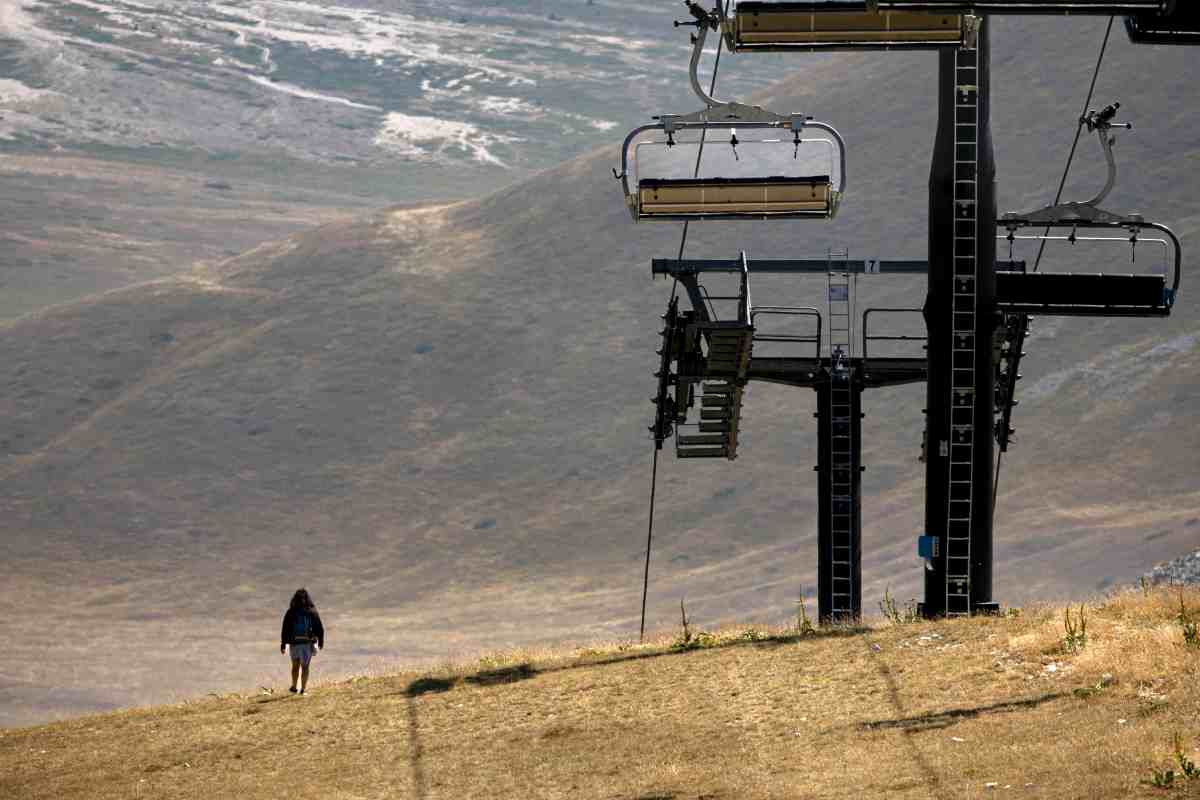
(1042, 247)
(674, 288)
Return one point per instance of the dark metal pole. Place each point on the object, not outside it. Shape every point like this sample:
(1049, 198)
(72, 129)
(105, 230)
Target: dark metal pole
(824, 507)
(982, 544)
(839, 505)
(962, 296)
(649, 541)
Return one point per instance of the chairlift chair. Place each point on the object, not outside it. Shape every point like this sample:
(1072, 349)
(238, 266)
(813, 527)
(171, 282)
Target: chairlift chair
(1179, 26)
(694, 167)
(1123, 295)
(746, 170)
(840, 25)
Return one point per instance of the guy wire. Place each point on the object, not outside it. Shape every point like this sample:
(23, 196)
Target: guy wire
(674, 288)
(1042, 246)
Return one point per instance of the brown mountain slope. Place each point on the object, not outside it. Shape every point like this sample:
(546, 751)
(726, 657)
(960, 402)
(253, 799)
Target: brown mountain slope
(435, 417)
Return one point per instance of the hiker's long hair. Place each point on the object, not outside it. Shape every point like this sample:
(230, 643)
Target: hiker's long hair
(301, 599)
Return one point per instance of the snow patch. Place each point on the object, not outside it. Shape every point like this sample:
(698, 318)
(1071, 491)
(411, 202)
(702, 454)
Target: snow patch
(430, 138)
(16, 23)
(16, 92)
(308, 94)
(509, 106)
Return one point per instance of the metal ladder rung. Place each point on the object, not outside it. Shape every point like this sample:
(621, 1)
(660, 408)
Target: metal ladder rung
(962, 363)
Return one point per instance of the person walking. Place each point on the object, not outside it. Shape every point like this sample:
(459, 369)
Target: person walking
(303, 634)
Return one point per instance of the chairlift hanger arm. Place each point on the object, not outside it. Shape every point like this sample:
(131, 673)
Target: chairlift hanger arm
(704, 22)
(1101, 122)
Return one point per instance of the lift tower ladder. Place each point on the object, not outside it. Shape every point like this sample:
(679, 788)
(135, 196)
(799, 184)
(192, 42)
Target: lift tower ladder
(843, 541)
(962, 357)
(840, 308)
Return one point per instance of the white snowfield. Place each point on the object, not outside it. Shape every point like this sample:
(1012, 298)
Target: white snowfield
(489, 86)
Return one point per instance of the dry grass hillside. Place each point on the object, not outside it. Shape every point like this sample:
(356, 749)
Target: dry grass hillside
(1007, 707)
(435, 418)
(77, 224)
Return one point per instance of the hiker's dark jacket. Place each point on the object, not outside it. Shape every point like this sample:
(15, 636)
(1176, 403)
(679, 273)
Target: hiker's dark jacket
(318, 630)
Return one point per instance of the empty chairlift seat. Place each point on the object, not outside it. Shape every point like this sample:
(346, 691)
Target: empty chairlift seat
(1092, 293)
(733, 162)
(1181, 26)
(737, 196)
(839, 26)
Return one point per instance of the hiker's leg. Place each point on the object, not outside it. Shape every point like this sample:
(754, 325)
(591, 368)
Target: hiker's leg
(303, 675)
(296, 671)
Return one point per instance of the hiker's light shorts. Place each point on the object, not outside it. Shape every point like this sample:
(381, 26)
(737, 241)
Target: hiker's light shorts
(302, 652)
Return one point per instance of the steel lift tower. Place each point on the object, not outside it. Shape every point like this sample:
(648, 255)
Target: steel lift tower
(976, 310)
(960, 315)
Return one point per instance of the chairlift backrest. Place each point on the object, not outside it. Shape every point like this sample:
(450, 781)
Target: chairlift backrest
(733, 162)
(1064, 7)
(784, 26)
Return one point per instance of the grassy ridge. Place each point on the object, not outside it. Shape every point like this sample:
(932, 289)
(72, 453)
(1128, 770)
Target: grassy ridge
(945, 709)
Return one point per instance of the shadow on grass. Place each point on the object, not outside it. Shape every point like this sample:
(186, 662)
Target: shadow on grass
(416, 747)
(491, 677)
(933, 781)
(935, 720)
(525, 671)
(431, 685)
(427, 685)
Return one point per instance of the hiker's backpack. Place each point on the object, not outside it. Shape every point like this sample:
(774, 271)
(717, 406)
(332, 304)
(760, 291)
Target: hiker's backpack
(302, 626)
